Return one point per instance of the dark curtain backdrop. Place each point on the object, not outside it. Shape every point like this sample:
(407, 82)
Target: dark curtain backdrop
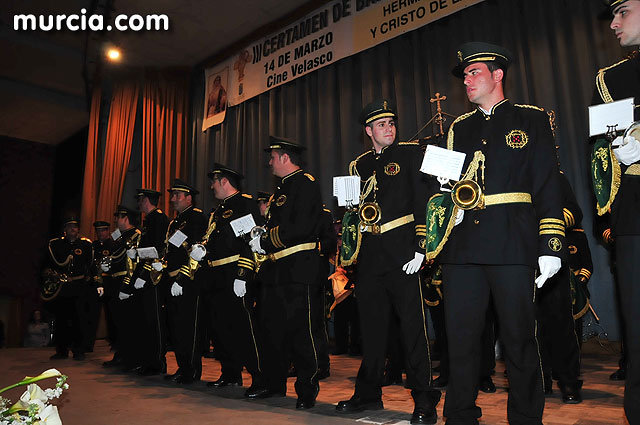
(558, 45)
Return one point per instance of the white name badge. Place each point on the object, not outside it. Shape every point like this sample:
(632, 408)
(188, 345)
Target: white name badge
(177, 238)
(148, 252)
(116, 234)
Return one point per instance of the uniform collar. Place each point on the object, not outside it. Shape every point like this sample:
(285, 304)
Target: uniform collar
(299, 170)
(495, 108)
(373, 150)
(231, 196)
(185, 210)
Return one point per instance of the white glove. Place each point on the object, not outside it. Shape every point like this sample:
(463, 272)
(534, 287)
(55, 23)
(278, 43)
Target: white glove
(100, 291)
(628, 151)
(132, 253)
(139, 283)
(104, 267)
(176, 289)
(255, 245)
(414, 265)
(239, 287)
(459, 217)
(443, 181)
(123, 296)
(549, 265)
(198, 251)
(157, 266)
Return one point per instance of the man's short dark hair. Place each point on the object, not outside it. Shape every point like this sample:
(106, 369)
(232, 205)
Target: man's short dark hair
(153, 199)
(233, 180)
(294, 157)
(494, 66)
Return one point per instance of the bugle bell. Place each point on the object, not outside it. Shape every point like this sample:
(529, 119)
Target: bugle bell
(467, 195)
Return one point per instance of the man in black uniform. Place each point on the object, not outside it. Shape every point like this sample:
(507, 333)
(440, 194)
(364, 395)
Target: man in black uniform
(125, 306)
(559, 345)
(73, 256)
(227, 279)
(620, 81)
(151, 339)
(391, 253)
(184, 304)
(291, 295)
(493, 250)
(263, 202)
(102, 248)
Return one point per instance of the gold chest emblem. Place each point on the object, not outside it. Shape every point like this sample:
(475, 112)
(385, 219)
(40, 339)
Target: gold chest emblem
(77, 251)
(391, 169)
(281, 200)
(555, 245)
(105, 252)
(517, 139)
(572, 250)
(227, 214)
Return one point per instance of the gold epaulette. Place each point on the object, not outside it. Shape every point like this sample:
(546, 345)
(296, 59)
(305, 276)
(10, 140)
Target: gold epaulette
(530, 107)
(409, 143)
(197, 210)
(86, 239)
(159, 211)
(310, 177)
(327, 210)
(602, 86)
(460, 118)
(246, 195)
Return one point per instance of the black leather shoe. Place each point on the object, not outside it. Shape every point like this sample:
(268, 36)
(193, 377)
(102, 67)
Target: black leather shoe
(292, 372)
(59, 356)
(391, 379)
(223, 381)
(186, 380)
(486, 385)
(357, 404)
(423, 415)
(571, 396)
(440, 382)
(303, 404)
(173, 377)
(149, 371)
(260, 393)
(115, 361)
(618, 375)
(323, 373)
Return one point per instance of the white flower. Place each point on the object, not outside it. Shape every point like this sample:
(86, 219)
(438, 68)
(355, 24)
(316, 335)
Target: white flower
(49, 416)
(33, 393)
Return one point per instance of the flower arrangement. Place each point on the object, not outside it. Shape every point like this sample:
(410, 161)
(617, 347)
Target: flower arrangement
(33, 407)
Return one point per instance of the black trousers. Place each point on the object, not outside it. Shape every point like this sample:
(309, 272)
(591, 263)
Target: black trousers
(185, 321)
(487, 342)
(559, 345)
(68, 330)
(152, 338)
(379, 294)
(236, 329)
(628, 266)
(287, 315)
(92, 308)
(467, 291)
(346, 325)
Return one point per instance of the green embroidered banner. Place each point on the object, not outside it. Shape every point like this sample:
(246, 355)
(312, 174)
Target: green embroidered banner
(441, 213)
(605, 175)
(579, 297)
(351, 238)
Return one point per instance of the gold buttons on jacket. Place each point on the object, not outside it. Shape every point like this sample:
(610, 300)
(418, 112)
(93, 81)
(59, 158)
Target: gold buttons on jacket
(484, 141)
(476, 221)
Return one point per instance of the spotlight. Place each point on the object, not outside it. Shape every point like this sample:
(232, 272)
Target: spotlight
(113, 54)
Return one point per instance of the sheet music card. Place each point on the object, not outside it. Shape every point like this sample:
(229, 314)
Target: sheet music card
(177, 239)
(619, 113)
(116, 234)
(243, 225)
(442, 162)
(149, 252)
(347, 190)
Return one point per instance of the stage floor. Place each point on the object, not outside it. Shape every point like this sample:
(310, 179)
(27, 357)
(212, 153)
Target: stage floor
(98, 396)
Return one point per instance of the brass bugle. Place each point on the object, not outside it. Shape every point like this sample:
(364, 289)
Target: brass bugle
(370, 213)
(467, 195)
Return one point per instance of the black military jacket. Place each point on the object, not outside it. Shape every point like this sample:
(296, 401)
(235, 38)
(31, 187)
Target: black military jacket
(122, 266)
(293, 218)
(579, 254)
(616, 82)
(193, 224)
(154, 231)
(401, 190)
(101, 249)
(570, 207)
(75, 259)
(221, 242)
(520, 157)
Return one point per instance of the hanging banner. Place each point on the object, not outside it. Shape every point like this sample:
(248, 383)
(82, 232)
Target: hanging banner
(326, 35)
(215, 98)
